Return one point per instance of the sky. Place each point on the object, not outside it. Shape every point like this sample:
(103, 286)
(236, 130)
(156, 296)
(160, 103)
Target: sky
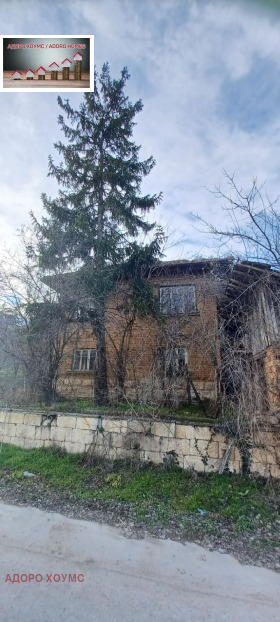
(208, 75)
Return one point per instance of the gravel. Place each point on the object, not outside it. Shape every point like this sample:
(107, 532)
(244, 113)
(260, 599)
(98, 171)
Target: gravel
(259, 548)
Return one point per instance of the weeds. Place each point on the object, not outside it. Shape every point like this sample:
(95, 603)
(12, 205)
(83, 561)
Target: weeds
(158, 494)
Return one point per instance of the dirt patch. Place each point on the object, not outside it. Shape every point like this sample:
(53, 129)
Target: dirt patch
(262, 548)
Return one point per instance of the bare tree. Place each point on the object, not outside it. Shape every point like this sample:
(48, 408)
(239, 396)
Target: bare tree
(38, 322)
(254, 222)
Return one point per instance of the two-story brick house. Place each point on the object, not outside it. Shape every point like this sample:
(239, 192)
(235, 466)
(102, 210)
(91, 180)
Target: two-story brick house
(173, 358)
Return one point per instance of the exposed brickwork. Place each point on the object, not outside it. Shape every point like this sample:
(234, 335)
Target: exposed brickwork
(196, 333)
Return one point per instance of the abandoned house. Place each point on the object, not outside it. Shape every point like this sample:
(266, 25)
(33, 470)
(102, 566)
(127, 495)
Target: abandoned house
(250, 347)
(171, 359)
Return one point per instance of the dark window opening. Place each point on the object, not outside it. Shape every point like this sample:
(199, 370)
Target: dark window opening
(172, 361)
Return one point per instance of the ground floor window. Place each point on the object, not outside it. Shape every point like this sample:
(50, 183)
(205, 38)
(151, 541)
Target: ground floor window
(83, 360)
(173, 361)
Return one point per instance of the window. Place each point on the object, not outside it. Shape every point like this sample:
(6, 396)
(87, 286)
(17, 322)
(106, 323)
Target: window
(173, 361)
(83, 360)
(177, 299)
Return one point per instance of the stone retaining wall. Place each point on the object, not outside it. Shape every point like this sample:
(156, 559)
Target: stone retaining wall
(197, 446)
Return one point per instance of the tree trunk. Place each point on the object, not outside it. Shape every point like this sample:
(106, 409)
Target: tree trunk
(101, 395)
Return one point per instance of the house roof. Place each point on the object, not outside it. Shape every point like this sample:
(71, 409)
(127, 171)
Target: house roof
(51, 65)
(41, 67)
(246, 275)
(190, 266)
(68, 59)
(166, 269)
(17, 71)
(78, 54)
(30, 70)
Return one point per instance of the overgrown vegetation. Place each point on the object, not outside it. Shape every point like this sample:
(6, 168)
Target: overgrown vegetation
(192, 413)
(157, 494)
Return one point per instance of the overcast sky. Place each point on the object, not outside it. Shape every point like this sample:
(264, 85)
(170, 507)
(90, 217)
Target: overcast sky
(208, 75)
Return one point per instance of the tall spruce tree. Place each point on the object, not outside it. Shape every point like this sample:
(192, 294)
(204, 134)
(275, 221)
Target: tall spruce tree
(95, 221)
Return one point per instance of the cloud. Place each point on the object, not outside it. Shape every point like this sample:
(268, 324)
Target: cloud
(207, 72)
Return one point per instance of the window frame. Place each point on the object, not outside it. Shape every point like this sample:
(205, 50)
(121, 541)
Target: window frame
(171, 304)
(79, 355)
(173, 360)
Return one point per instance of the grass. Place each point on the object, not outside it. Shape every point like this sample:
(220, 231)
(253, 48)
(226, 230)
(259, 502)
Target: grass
(173, 493)
(192, 413)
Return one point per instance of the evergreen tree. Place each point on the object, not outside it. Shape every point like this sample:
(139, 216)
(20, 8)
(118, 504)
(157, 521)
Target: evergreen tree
(95, 221)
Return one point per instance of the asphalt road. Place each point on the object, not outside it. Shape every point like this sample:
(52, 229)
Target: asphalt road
(116, 579)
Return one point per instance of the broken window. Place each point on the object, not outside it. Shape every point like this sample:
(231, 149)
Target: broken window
(177, 299)
(83, 360)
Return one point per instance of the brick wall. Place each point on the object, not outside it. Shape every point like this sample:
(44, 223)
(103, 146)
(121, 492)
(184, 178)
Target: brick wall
(198, 447)
(196, 332)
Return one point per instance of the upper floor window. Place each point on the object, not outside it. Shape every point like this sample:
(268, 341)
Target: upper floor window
(177, 299)
(83, 360)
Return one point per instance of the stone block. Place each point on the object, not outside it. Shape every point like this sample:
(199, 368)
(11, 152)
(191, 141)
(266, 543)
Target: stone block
(3, 415)
(66, 421)
(32, 419)
(14, 440)
(111, 425)
(261, 469)
(87, 423)
(81, 436)
(148, 443)
(259, 454)
(194, 462)
(181, 461)
(48, 443)
(163, 429)
(219, 438)
(271, 456)
(184, 431)
(69, 435)
(10, 429)
(212, 465)
(57, 435)
(204, 448)
(136, 425)
(13, 417)
(120, 452)
(222, 448)
(74, 448)
(25, 431)
(203, 433)
(275, 470)
(42, 434)
(19, 441)
(120, 441)
(30, 443)
(237, 455)
(180, 445)
(123, 426)
(154, 456)
(234, 466)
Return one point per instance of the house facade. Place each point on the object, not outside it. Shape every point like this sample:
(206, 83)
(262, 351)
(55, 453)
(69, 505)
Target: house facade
(172, 358)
